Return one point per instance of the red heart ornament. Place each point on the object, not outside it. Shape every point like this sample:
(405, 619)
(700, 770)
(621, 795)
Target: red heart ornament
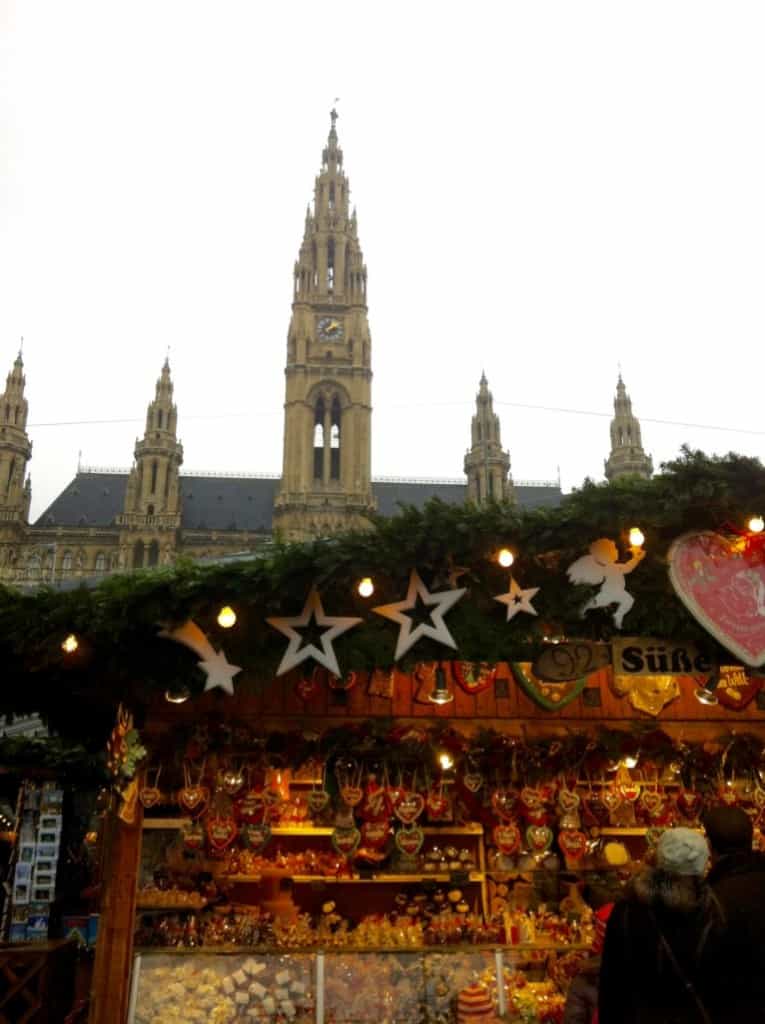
(149, 796)
(507, 838)
(568, 800)
(194, 799)
(376, 805)
(346, 840)
(409, 807)
(723, 589)
(539, 838)
(409, 840)
(503, 802)
(194, 837)
(438, 805)
(531, 798)
(573, 844)
(221, 832)
(630, 791)
(689, 804)
(652, 802)
(375, 834)
(594, 811)
(251, 808)
(474, 676)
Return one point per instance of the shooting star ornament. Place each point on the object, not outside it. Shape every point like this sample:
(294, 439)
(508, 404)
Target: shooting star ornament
(436, 629)
(220, 674)
(313, 612)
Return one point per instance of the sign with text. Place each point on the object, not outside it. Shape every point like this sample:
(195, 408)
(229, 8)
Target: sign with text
(643, 656)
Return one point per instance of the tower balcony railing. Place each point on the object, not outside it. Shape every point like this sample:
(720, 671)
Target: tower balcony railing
(139, 520)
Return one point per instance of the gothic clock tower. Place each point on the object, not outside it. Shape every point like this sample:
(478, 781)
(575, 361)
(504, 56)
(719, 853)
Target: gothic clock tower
(326, 474)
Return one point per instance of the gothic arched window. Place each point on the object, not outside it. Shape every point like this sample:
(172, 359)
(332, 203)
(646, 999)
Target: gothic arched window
(154, 477)
(159, 418)
(318, 441)
(66, 561)
(334, 440)
(100, 562)
(153, 553)
(330, 264)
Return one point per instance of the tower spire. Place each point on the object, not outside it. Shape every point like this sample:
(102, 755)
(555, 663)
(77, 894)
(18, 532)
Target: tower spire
(627, 456)
(487, 466)
(15, 446)
(326, 477)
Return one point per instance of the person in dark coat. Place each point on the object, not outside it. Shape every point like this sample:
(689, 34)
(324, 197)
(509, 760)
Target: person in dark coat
(738, 881)
(582, 998)
(656, 966)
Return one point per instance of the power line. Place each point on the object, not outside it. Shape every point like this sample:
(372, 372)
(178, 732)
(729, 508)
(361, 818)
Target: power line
(430, 405)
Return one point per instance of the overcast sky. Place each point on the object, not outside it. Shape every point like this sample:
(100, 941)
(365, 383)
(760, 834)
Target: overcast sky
(544, 190)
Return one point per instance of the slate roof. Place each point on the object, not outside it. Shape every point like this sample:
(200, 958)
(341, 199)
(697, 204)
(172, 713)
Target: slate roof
(246, 503)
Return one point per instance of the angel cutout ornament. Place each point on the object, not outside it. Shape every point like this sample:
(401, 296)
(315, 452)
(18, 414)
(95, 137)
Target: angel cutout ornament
(600, 566)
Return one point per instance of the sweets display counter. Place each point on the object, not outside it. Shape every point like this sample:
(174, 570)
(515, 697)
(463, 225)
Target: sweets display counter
(275, 986)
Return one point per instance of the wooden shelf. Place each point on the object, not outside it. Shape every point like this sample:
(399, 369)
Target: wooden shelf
(159, 823)
(447, 950)
(317, 830)
(165, 907)
(385, 879)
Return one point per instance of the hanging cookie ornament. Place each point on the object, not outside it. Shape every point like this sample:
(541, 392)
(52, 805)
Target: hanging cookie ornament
(689, 805)
(409, 840)
(507, 838)
(409, 806)
(539, 838)
(375, 834)
(312, 619)
(348, 775)
(318, 798)
(193, 836)
(345, 840)
(256, 837)
(568, 809)
(418, 596)
(149, 794)
(193, 797)
(375, 805)
(601, 568)
(438, 804)
(232, 780)
(573, 845)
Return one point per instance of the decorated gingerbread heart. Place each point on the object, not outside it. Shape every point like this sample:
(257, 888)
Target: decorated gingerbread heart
(409, 840)
(375, 834)
(473, 781)
(723, 589)
(507, 838)
(504, 803)
(318, 799)
(149, 796)
(221, 832)
(351, 795)
(346, 840)
(409, 807)
(474, 676)
(539, 838)
(573, 844)
(250, 808)
(194, 799)
(256, 837)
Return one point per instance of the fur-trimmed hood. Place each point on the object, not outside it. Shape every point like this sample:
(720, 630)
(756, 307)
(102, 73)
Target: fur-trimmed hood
(678, 894)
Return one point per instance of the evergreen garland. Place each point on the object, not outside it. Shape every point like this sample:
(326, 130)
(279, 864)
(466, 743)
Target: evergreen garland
(121, 657)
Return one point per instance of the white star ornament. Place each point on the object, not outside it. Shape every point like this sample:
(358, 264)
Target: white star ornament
(440, 604)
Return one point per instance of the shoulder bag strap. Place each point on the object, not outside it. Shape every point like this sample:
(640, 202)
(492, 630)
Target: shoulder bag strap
(686, 981)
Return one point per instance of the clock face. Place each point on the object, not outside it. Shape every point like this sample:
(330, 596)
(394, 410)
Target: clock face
(330, 328)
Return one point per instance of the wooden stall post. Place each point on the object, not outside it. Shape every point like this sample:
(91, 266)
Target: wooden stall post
(114, 948)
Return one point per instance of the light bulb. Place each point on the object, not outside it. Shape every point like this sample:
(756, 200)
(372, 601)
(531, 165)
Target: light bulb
(366, 587)
(70, 645)
(226, 617)
(446, 761)
(637, 539)
(505, 558)
(630, 761)
(179, 695)
(756, 524)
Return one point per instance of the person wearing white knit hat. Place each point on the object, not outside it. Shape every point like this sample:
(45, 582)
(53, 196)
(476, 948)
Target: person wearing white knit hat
(658, 965)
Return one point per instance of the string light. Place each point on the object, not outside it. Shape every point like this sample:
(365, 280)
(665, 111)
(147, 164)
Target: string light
(505, 558)
(179, 695)
(226, 617)
(70, 644)
(637, 538)
(446, 761)
(630, 761)
(366, 587)
(756, 524)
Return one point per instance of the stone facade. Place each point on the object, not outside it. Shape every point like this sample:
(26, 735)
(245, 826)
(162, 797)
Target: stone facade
(107, 521)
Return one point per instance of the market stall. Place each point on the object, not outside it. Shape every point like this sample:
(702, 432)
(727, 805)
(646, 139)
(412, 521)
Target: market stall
(388, 777)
